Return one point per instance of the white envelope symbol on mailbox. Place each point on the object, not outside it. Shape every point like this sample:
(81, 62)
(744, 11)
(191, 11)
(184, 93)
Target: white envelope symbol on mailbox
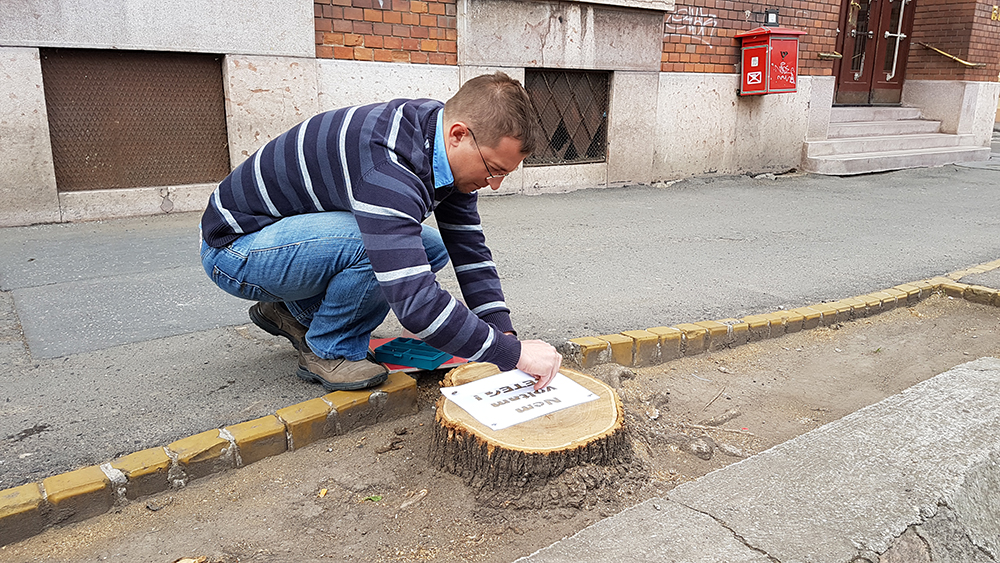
(753, 78)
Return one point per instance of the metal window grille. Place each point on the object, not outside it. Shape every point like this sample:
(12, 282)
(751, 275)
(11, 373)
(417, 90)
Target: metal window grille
(572, 107)
(124, 119)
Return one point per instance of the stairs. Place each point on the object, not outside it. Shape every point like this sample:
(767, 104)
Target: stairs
(874, 139)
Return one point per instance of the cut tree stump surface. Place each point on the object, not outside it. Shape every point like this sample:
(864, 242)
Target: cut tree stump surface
(532, 451)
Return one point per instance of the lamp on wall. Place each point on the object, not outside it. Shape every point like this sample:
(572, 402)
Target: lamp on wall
(771, 17)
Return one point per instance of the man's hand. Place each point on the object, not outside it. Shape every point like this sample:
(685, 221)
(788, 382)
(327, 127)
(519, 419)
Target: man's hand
(540, 360)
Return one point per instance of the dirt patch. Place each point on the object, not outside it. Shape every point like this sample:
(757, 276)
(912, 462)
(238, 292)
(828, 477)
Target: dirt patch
(373, 496)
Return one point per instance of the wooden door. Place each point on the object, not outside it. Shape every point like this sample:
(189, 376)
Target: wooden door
(875, 41)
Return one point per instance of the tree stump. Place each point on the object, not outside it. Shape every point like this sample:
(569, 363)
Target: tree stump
(534, 451)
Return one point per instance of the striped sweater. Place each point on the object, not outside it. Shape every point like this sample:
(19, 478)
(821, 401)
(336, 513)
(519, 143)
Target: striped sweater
(377, 161)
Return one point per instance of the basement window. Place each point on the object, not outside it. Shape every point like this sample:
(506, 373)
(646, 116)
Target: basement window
(572, 107)
(127, 119)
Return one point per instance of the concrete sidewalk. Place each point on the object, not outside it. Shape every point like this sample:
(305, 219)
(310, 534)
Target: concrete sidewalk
(911, 479)
(113, 340)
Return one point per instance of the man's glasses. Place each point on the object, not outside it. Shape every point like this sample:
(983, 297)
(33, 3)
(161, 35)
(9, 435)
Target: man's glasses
(493, 179)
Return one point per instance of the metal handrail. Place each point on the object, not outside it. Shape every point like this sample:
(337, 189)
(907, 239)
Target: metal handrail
(950, 56)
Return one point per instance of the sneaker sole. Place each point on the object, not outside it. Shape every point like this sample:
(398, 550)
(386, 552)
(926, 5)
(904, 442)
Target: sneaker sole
(267, 326)
(309, 376)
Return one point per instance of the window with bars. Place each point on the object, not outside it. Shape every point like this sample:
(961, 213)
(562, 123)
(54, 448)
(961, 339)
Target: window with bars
(572, 106)
(124, 119)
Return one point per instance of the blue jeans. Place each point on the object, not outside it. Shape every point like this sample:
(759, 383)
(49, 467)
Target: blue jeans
(317, 265)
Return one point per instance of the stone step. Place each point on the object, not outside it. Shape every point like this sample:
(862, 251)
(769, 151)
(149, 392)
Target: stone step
(843, 114)
(863, 163)
(886, 143)
(880, 128)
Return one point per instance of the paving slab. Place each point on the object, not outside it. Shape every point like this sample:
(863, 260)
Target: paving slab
(926, 458)
(45, 254)
(657, 530)
(62, 319)
(851, 487)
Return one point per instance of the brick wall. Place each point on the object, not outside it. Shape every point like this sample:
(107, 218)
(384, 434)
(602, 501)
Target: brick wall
(699, 35)
(401, 31)
(964, 28)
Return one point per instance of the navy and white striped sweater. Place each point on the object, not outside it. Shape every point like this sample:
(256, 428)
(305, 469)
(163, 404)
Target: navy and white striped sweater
(377, 161)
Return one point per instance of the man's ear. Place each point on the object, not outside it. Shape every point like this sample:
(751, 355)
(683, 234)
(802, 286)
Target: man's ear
(456, 133)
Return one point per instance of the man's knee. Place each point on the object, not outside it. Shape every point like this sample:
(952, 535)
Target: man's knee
(437, 254)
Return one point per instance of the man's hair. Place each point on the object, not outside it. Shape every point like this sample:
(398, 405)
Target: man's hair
(496, 106)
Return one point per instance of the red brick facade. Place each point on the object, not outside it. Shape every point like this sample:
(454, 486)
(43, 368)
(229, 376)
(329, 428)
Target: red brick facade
(966, 29)
(400, 31)
(699, 36)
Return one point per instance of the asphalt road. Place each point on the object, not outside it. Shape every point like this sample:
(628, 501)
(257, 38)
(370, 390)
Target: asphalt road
(112, 339)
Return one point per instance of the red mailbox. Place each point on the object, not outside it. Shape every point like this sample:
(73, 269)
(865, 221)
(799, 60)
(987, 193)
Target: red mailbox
(770, 61)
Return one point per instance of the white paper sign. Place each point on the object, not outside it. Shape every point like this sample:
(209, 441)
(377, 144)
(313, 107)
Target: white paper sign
(505, 399)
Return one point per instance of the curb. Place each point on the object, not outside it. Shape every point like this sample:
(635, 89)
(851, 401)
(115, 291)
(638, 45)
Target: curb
(29, 509)
(639, 348)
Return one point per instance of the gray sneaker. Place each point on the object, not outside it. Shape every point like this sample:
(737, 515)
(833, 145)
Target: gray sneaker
(340, 374)
(275, 319)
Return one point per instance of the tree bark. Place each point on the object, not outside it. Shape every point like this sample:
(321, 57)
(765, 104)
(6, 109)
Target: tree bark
(535, 451)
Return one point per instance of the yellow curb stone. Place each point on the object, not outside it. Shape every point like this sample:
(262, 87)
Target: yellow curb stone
(259, 438)
(793, 321)
(859, 308)
(872, 303)
(343, 401)
(357, 409)
(938, 280)
(925, 286)
(306, 422)
(203, 454)
(670, 342)
(591, 350)
(810, 317)
(902, 298)
(20, 513)
(777, 322)
(695, 338)
(621, 348)
(912, 292)
(829, 314)
(888, 299)
(646, 350)
(954, 289)
(401, 399)
(78, 495)
(758, 327)
(146, 472)
(739, 331)
(845, 311)
(979, 294)
(717, 334)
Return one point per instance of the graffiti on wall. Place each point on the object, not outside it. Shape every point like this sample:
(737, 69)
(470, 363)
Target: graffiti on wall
(692, 22)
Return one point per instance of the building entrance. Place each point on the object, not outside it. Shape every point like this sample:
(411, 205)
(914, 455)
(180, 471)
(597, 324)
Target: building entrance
(875, 40)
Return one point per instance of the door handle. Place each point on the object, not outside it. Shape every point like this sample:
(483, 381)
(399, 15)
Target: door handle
(900, 36)
(871, 34)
